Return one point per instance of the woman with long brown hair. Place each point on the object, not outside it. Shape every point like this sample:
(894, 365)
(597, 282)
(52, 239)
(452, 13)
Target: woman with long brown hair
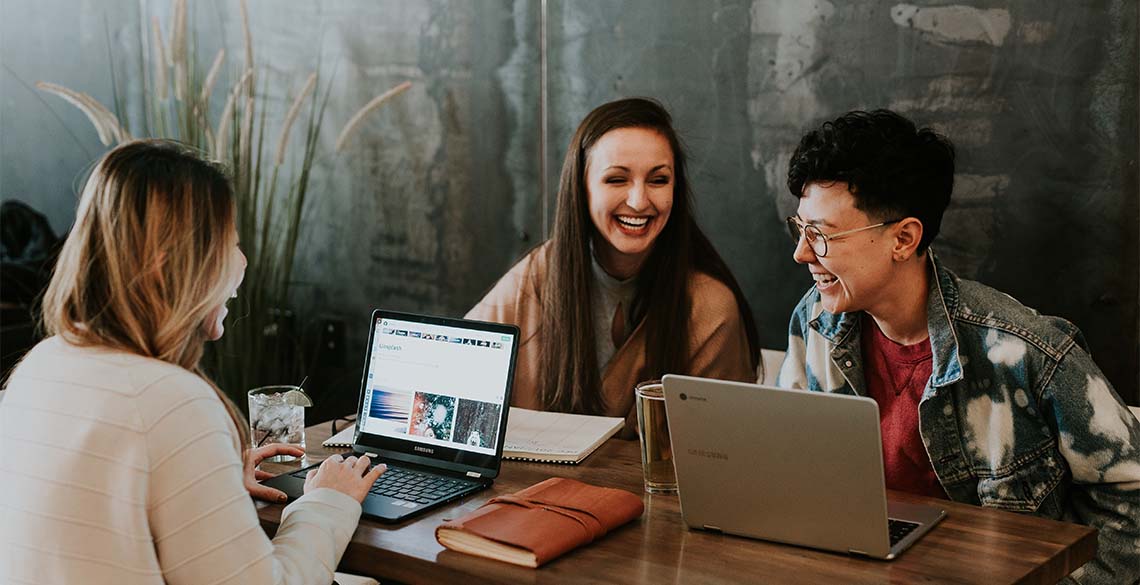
(123, 462)
(627, 288)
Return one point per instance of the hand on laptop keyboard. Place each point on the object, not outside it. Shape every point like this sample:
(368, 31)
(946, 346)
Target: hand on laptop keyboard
(350, 476)
(422, 488)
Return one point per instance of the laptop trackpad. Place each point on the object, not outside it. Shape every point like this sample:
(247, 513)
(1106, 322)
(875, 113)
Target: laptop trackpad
(387, 508)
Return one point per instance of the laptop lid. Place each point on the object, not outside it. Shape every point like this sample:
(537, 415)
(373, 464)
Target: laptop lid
(790, 466)
(436, 391)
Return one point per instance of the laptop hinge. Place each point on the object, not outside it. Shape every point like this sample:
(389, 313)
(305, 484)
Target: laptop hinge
(474, 474)
(713, 528)
(861, 553)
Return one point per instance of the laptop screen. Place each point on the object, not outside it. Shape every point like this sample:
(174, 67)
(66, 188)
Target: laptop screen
(437, 388)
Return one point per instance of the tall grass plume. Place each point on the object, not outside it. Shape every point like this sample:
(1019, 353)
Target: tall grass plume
(255, 349)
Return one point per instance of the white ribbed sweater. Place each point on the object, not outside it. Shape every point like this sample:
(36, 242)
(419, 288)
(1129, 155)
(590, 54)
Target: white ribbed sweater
(120, 469)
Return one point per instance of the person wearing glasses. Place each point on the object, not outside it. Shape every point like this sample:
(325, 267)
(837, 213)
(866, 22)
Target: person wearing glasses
(981, 399)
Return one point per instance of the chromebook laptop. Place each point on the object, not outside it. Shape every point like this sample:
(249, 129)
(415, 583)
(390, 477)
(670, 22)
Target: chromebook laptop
(433, 406)
(803, 468)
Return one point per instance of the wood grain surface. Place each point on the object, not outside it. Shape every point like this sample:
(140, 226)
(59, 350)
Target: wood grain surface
(972, 545)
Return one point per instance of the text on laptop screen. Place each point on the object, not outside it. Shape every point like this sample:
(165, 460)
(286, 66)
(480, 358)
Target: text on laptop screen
(436, 385)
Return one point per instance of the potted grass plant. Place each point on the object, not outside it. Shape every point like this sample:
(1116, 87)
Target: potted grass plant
(270, 176)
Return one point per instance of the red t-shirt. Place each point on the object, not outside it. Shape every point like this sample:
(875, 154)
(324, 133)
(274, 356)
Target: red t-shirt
(896, 375)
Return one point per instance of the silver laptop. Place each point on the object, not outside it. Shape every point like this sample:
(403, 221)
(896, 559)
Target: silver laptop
(803, 468)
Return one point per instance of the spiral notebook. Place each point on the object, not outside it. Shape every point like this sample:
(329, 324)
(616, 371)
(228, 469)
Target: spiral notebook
(556, 437)
(544, 437)
(341, 439)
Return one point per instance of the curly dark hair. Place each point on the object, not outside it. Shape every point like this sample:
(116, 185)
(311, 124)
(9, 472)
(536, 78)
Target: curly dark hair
(893, 169)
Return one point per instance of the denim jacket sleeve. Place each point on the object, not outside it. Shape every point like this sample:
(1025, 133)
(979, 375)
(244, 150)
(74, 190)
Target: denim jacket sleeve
(793, 372)
(1100, 440)
(808, 363)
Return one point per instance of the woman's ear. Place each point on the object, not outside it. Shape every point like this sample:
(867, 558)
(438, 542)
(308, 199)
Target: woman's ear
(908, 234)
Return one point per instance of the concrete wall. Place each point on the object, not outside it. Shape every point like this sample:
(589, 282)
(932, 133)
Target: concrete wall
(1039, 97)
(45, 144)
(442, 190)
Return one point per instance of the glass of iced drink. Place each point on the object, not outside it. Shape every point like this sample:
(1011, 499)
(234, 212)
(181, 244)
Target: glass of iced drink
(277, 415)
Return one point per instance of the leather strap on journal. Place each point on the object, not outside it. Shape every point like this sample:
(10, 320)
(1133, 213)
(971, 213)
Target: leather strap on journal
(591, 526)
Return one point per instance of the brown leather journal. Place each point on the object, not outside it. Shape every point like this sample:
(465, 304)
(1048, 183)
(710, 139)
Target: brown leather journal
(541, 522)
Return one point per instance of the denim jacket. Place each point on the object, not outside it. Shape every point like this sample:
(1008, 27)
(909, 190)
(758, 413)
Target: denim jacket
(1016, 415)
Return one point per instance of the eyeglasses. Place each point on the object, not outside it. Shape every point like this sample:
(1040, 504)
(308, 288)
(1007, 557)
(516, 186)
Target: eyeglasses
(817, 239)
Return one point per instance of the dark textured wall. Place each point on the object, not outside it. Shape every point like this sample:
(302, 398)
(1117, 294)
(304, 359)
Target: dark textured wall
(1040, 99)
(441, 191)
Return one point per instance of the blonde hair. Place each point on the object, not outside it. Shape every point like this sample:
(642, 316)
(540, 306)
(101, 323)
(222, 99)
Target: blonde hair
(147, 260)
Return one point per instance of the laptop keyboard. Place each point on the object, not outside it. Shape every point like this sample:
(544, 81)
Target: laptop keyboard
(899, 529)
(413, 486)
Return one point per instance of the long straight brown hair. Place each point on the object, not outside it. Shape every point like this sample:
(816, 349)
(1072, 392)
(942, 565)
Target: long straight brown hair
(568, 364)
(148, 257)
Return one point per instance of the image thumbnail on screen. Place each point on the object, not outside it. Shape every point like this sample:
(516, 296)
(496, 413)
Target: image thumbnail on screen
(389, 410)
(433, 416)
(477, 423)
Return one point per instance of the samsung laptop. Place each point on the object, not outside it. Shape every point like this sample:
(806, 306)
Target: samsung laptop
(433, 406)
(803, 468)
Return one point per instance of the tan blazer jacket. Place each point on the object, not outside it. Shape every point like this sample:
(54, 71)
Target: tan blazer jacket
(718, 346)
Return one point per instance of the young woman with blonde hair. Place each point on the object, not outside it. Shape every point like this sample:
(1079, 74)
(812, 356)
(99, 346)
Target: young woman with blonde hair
(628, 287)
(123, 462)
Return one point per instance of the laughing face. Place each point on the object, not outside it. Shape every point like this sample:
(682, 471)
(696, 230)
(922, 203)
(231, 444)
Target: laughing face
(857, 272)
(629, 175)
(214, 325)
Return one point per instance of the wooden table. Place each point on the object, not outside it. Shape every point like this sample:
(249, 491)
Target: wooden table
(972, 545)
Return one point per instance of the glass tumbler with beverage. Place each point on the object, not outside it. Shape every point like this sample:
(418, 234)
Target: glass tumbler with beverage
(277, 415)
(653, 430)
